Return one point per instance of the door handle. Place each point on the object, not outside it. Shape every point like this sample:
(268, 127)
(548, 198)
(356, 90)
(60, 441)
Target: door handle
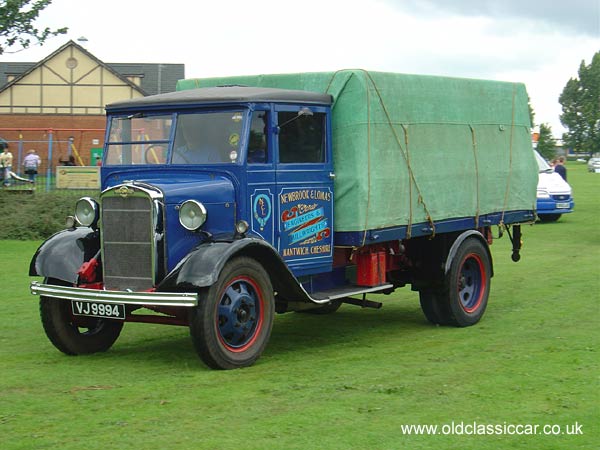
(332, 175)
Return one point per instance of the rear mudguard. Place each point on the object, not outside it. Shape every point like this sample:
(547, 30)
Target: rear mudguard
(432, 258)
(202, 267)
(458, 242)
(62, 254)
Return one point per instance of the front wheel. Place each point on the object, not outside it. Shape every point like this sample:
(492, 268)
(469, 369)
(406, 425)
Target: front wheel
(232, 324)
(76, 335)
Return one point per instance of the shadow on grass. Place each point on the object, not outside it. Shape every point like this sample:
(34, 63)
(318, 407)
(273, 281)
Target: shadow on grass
(292, 333)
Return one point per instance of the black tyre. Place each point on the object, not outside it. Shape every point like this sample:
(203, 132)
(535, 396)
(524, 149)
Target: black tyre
(232, 324)
(434, 307)
(463, 299)
(549, 217)
(76, 336)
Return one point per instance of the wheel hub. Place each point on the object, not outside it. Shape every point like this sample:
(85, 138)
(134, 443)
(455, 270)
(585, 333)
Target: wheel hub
(237, 314)
(470, 283)
(461, 282)
(244, 313)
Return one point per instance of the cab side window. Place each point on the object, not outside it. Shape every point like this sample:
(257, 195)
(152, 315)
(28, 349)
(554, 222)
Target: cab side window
(257, 144)
(301, 138)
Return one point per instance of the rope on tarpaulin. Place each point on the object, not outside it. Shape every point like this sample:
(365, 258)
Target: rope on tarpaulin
(403, 151)
(510, 157)
(410, 194)
(368, 167)
(364, 238)
(405, 154)
(474, 142)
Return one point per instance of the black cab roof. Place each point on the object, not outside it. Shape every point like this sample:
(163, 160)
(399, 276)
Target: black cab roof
(225, 94)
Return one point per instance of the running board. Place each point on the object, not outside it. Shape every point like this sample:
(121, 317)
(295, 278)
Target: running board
(322, 297)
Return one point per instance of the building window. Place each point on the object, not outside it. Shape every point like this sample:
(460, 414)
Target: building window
(71, 63)
(135, 79)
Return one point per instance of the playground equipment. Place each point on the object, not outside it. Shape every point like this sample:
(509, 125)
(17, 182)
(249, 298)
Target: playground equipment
(48, 142)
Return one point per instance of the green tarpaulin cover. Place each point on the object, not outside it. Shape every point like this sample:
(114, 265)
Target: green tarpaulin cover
(413, 148)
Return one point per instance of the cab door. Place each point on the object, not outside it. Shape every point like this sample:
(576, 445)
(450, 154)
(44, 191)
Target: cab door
(304, 186)
(261, 186)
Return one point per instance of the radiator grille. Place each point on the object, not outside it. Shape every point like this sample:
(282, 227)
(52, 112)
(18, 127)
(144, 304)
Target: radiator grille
(127, 242)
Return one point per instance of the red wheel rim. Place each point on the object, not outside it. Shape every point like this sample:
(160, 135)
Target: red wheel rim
(472, 283)
(239, 314)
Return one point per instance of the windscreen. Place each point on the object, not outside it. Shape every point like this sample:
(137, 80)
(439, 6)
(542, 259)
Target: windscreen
(200, 138)
(542, 164)
(208, 138)
(138, 139)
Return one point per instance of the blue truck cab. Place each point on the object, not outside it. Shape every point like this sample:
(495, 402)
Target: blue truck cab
(217, 211)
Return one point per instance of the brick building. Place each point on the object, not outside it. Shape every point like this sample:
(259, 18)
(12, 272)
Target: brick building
(64, 95)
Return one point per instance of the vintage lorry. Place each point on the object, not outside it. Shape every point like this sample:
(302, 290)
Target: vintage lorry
(233, 199)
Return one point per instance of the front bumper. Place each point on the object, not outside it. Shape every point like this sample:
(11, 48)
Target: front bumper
(183, 299)
(550, 206)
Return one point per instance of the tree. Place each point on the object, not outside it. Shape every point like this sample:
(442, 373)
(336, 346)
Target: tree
(531, 112)
(580, 100)
(17, 26)
(546, 145)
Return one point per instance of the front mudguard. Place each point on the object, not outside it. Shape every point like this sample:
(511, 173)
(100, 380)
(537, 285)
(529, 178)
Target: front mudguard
(201, 268)
(62, 254)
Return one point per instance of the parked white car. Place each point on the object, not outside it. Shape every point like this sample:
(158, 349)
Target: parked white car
(594, 164)
(553, 193)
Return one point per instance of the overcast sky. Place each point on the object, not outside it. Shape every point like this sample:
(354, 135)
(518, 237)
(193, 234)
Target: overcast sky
(538, 42)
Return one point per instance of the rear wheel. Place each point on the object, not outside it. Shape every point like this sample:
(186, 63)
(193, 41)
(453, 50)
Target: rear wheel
(76, 335)
(463, 299)
(434, 307)
(232, 324)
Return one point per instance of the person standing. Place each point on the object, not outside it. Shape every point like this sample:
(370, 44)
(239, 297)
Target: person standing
(560, 168)
(31, 163)
(6, 159)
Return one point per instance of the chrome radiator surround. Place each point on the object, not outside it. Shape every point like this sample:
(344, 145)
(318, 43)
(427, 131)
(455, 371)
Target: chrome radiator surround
(132, 236)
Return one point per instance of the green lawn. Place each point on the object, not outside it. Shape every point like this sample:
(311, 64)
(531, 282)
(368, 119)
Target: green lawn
(349, 380)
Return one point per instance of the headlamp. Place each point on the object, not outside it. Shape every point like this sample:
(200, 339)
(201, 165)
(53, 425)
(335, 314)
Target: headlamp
(87, 212)
(192, 215)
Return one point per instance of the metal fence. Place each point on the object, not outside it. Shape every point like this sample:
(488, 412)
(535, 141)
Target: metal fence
(52, 150)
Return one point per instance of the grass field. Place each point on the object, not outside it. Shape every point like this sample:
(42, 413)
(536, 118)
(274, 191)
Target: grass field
(345, 381)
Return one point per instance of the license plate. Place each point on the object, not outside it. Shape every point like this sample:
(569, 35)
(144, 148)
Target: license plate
(562, 205)
(93, 309)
